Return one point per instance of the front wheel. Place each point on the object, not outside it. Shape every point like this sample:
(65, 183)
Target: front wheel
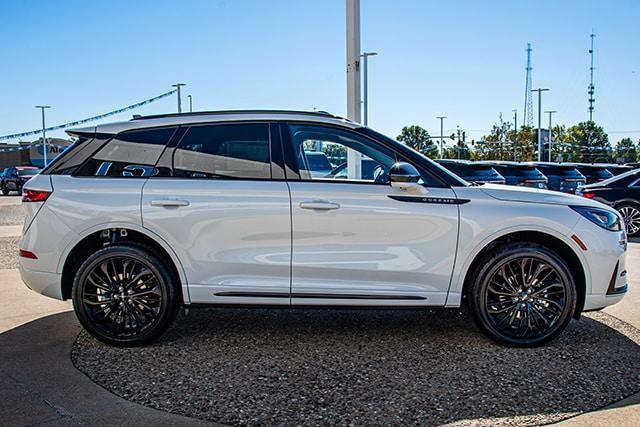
(522, 295)
(124, 295)
(631, 215)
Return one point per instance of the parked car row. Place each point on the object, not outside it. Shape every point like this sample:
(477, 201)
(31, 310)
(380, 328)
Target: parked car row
(13, 178)
(565, 177)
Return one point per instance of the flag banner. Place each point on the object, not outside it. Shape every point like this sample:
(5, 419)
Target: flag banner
(90, 119)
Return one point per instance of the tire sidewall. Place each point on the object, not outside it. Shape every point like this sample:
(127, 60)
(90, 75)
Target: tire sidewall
(168, 307)
(478, 294)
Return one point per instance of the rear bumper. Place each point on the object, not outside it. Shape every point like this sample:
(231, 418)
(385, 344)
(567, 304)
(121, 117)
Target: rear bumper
(44, 283)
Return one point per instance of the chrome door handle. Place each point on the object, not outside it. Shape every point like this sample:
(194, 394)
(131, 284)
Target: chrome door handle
(169, 203)
(323, 205)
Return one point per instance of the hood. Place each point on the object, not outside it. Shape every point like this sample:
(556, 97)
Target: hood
(534, 195)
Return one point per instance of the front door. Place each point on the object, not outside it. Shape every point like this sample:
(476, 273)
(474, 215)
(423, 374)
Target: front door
(223, 214)
(357, 240)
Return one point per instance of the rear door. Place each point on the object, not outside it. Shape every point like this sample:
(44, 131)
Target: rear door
(359, 241)
(224, 208)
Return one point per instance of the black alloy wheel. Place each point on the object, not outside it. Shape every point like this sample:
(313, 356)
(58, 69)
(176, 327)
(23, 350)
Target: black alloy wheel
(123, 295)
(631, 216)
(523, 295)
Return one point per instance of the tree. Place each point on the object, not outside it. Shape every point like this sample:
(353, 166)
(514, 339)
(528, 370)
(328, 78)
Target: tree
(588, 142)
(498, 145)
(626, 151)
(418, 138)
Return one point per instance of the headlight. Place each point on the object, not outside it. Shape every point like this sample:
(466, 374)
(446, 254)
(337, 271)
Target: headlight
(601, 217)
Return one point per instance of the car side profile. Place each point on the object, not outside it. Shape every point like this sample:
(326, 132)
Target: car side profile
(139, 218)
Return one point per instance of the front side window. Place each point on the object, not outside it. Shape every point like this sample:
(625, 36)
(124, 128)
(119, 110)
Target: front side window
(131, 154)
(224, 151)
(318, 145)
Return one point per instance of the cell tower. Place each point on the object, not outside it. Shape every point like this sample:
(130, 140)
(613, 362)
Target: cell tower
(592, 88)
(528, 101)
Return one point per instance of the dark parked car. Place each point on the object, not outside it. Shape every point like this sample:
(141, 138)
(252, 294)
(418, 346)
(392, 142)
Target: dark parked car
(318, 164)
(633, 165)
(562, 177)
(593, 172)
(473, 171)
(522, 174)
(618, 169)
(16, 177)
(3, 174)
(623, 193)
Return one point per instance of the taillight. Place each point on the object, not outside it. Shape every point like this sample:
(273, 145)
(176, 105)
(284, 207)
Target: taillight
(588, 195)
(35, 196)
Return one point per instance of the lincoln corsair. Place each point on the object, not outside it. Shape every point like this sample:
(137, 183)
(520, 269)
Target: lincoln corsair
(139, 218)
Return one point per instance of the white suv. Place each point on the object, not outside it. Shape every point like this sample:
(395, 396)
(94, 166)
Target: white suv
(140, 217)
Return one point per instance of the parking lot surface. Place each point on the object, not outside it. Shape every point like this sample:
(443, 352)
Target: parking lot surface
(309, 366)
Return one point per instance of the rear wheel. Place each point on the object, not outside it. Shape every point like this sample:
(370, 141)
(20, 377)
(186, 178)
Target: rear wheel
(124, 295)
(631, 215)
(522, 295)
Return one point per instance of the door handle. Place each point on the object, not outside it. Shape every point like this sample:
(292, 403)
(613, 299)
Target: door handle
(323, 205)
(169, 203)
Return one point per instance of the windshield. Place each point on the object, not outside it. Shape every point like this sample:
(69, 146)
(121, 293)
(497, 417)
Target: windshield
(620, 177)
(23, 172)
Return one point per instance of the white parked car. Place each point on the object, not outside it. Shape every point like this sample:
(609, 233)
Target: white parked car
(141, 217)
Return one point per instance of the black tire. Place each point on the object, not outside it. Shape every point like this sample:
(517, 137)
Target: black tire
(631, 215)
(5, 191)
(522, 295)
(115, 304)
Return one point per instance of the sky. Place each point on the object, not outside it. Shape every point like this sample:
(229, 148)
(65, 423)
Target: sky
(461, 59)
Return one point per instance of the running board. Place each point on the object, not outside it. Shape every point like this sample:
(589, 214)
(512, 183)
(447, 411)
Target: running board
(318, 296)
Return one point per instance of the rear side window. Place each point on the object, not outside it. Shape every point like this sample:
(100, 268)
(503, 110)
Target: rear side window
(130, 154)
(224, 151)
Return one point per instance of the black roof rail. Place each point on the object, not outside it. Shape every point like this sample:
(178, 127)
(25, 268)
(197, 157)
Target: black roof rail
(212, 113)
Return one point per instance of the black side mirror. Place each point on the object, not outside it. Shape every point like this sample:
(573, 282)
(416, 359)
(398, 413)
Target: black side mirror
(405, 177)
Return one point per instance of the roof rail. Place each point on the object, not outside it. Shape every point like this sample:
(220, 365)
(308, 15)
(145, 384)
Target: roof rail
(207, 113)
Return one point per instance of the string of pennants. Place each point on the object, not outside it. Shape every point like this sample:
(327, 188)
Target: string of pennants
(87, 120)
(27, 147)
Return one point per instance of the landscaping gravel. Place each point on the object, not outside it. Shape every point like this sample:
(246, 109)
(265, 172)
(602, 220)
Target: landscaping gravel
(9, 252)
(11, 215)
(360, 367)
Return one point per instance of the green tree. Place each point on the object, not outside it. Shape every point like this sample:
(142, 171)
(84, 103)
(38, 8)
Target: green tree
(418, 138)
(626, 151)
(498, 145)
(588, 142)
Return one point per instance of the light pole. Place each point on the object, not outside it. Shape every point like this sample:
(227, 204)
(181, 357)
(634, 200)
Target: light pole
(365, 85)
(178, 86)
(515, 135)
(190, 103)
(44, 135)
(550, 131)
(354, 160)
(441, 118)
(539, 90)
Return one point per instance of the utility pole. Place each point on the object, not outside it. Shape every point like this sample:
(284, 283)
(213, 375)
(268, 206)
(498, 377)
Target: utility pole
(515, 135)
(45, 148)
(550, 131)
(190, 103)
(458, 144)
(365, 94)
(354, 160)
(441, 118)
(539, 90)
(178, 86)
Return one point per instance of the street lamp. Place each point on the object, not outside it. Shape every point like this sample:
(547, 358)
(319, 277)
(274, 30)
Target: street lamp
(178, 86)
(441, 118)
(550, 131)
(539, 90)
(190, 103)
(44, 135)
(365, 95)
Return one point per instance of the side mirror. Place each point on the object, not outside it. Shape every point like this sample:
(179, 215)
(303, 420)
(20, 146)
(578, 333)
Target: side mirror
(404, 176)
